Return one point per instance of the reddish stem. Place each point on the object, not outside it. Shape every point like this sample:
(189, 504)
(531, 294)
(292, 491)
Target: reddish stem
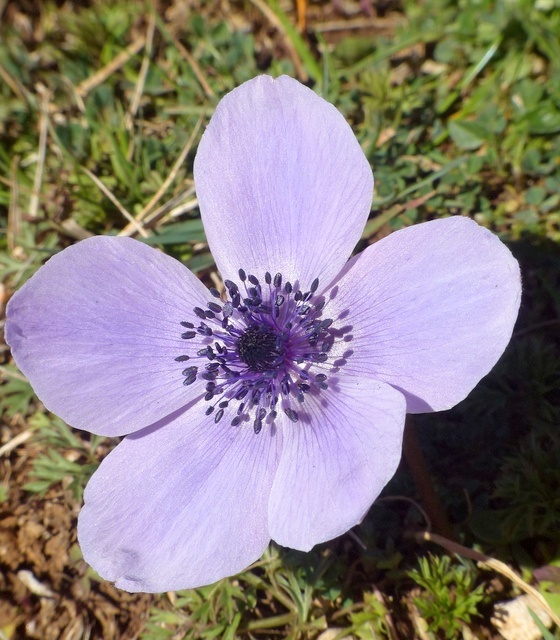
(428, 495)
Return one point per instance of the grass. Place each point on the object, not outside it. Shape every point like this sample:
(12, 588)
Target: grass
(457, 106)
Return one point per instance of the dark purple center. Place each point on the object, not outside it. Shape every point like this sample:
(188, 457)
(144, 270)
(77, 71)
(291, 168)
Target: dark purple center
(265, 349)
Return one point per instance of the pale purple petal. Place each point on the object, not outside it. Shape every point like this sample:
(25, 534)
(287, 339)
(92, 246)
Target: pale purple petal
(335, 460)
(180, 506)
(282, 182)
(96, 331)
(430, 309)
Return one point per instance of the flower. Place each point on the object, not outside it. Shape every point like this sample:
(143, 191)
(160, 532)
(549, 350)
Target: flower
(277, 412)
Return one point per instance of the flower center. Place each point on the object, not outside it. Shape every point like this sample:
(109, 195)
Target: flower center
(260, 348)
(264, 349)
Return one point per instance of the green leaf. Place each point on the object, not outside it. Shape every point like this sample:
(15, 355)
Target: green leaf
(179, 233)
(544, 631)
(468, 135)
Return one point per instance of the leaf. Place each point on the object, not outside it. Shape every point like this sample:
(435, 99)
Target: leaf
(545, 119)
(544, 631)
(468, 135)
(179, 233)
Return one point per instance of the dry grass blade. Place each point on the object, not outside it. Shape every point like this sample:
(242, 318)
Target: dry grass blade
(100, 76)
(15, 442)
(194, 66)
(277, 24)
(41, 153)
(173, 208)
(114, 200)
(139, 89)
(132, 228)
(14, 84)
(14, 213)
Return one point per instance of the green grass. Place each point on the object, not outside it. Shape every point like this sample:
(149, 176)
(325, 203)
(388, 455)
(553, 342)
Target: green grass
(457, 106)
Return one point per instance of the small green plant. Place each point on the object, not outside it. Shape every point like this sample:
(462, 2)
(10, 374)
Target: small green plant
(17, 394)
(67, 457)
(370, 622)
(450, 598)
(529, 483)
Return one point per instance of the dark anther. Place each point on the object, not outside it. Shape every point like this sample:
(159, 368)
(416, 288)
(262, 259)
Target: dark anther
(214, 307)
(291, 414)
(320, 377)
(200, 312)
(288, 287)
(209, 410)
(189, 371)
(278, 280)
(252, 279)
(242, 275)
(190, 378)
(314, 285)
(182, 358)
(187, 325)
(209, 314)
(188, 335)
(231, 287)
(215, 292)
(235, 421)
(279, 300)
(204, 330)
(218, 416)
(267, 278)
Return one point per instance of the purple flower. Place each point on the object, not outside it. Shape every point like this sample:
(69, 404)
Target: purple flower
(277, 414)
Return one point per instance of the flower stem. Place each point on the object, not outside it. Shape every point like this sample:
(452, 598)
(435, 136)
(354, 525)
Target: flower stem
(424, 483)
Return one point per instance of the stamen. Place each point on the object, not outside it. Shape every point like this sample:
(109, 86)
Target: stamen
(291, 414)
(269, 345)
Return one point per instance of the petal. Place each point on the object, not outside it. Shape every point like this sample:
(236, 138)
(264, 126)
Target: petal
(179, 506)
(335, 461)
(432, 308)
(96, 331)
(282, 182)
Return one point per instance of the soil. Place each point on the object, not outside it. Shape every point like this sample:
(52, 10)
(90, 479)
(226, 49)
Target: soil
(47, 591)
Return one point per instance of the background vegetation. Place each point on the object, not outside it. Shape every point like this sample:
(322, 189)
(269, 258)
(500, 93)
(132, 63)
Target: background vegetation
(457, 105)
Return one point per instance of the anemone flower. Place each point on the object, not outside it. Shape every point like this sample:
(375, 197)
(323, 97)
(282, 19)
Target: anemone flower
(273, 411)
